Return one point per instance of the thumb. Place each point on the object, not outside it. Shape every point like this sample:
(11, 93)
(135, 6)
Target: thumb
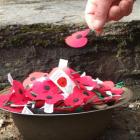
(96, 13)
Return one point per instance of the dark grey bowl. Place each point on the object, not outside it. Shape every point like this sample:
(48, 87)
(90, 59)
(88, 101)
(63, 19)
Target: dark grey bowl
(73, 126)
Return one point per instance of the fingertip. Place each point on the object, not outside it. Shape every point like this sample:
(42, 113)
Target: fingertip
(98, 24)
(126, 7)
(89, 20)
(115, 13)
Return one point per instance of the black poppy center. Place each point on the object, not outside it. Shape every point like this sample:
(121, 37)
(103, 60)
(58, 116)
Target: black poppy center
(78, 36)
(86, 93)
(32, 78)
(75, 100)
(20, 91)
(49, 97)
(46, 87)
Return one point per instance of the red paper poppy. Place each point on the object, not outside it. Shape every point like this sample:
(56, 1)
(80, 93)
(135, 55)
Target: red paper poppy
(39, 103)
(5, 104)
(105, 86)
(89, 96)
(117, 91)
(72, 74)
(15, 99)
(108, 84)
(76, 98)
(87, 81)
(32, 77)
(62, 81)
(84, 33)
(14, 109)
(4, 98)
(39, 89)
(78, 39)
(52, 98)
(18, 94)
(103, 90)
(18, 88)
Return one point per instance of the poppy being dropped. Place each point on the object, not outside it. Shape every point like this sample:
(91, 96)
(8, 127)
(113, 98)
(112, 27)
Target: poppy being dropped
(78, 39)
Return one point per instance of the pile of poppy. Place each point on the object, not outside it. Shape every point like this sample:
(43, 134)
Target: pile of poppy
(38, 93)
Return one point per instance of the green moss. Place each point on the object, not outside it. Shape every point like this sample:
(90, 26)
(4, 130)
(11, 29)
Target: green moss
(49, 35)
(3, 86)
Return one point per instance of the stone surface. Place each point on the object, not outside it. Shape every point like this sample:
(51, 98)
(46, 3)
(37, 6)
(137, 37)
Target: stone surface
(48, 11)
(8, 130)
(41, 11)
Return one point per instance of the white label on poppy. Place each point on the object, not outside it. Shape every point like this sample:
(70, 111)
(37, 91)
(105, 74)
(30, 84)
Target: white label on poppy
(109, 93)
(63, 81)
(98, 81)
(63, 63)
(48, 108)
(89, 88)
(65, 95)
(15, 105)
(83, 74)
(10, 79)
(42, 79)
(26, 110)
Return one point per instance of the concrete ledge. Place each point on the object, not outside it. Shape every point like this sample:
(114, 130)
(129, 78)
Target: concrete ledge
(49, 11)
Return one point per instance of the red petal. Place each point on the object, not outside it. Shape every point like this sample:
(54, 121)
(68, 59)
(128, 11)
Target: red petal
(72, 73)
(76, 43)
(55, 98)
(39, 103)
(77, 94)
(33, 76)
(108, 84)
(117, 91)
(3, 100)
(87, 80)
(18, 87)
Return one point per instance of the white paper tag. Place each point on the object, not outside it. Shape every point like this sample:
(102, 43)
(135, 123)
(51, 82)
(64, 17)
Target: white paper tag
(26, 111)
(89, 88)
(48, 108)
(42, 79)
(65, 95)
(63, 63)
(10, 79)
(83, 74)
(109, 93)
(62, 80)
(16, 106)
(98, 81)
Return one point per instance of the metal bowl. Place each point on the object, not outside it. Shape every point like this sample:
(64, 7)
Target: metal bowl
(72, 126)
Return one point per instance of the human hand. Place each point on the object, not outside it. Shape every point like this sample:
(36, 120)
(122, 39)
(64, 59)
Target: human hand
(98, 12)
